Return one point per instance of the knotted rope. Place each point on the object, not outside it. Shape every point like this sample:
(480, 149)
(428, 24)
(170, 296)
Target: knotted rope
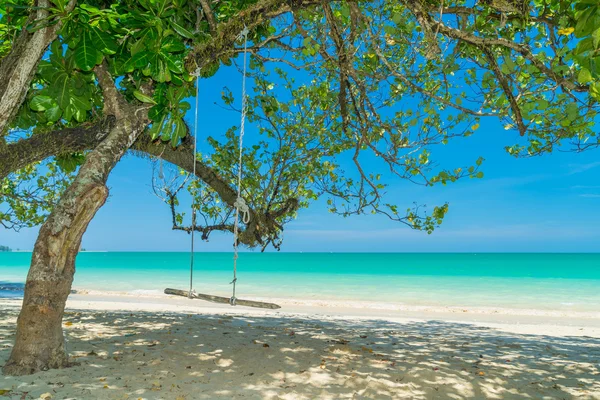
(240, 204)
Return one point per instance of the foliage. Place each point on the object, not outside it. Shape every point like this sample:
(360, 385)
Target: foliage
(13, 18)
(30, 194)
(346, 96)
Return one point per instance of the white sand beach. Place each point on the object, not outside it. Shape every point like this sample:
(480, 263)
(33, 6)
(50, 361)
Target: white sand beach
(148, 347)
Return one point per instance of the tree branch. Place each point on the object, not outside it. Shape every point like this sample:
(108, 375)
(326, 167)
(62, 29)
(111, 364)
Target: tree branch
(507, 90)
(38, 147)
(208, 13)
(260, 225)
(222, 43)
(113, 101)
(524, 50)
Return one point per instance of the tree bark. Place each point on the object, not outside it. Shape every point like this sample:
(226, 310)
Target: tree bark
(38, 147)
(18, 68)
(39, 342)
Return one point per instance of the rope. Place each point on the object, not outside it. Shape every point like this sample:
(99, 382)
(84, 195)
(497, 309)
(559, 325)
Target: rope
(161, 174)
(240, 204)
(197, 75)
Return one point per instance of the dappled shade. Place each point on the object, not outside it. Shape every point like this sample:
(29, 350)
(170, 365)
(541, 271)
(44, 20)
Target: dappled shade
(185, 356)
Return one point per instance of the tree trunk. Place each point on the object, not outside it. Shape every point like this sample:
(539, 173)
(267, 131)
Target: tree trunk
(39, 341)
(18, 68)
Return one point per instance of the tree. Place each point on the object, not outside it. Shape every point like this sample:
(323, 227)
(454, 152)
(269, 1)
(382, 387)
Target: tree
(83, 82)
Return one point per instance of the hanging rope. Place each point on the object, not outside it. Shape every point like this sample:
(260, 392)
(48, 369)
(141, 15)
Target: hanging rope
(197, 75)
(161, 174)
(240, 204)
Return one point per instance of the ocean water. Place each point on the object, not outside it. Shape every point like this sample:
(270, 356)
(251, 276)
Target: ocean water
(541, 281)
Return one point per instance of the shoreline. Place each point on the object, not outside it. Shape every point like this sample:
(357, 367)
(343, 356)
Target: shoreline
(522, 321)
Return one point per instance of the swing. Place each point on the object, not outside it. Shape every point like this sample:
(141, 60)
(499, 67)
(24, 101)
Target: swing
(240, 207)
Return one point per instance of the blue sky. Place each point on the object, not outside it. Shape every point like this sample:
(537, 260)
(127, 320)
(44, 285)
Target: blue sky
(543, 204)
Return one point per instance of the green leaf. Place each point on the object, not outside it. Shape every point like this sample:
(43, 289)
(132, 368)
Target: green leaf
(69, 162)
(159, 70)
(181, 30)
(184, 106)
(80, 115)
(180, 129)
(146, 39)
(173, 63)
(61, 85)
(596, 38)
(103, 42)
(81, 103)
(167, 131)
(510, 64)
(156, 128)
(172, 45)
(69, 111)
(53, 114)
(595, 90)
(175, 79)
(143, 98)
(157, 112)
(174, 140)
(46, 70)
(86, 55)
(60, 4)
(585, 76)
(138, 60)
(41, 103)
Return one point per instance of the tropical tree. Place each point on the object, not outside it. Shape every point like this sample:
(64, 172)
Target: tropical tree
(334, 84)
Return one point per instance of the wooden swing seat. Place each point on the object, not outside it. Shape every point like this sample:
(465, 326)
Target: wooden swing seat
(221, 299)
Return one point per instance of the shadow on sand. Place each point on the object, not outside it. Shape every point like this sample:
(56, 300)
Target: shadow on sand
(182, 356)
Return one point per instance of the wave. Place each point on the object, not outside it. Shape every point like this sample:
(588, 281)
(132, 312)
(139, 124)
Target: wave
(11, 289)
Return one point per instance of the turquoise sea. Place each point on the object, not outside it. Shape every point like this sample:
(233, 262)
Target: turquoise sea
(542, 281)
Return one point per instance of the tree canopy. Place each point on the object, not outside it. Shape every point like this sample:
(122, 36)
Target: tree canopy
(346, 96)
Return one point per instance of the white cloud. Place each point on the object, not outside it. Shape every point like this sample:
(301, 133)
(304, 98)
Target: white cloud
(580, 187)
(516, 232)
(577, 168)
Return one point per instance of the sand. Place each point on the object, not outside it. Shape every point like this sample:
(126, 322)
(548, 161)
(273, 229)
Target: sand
(173, 348)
